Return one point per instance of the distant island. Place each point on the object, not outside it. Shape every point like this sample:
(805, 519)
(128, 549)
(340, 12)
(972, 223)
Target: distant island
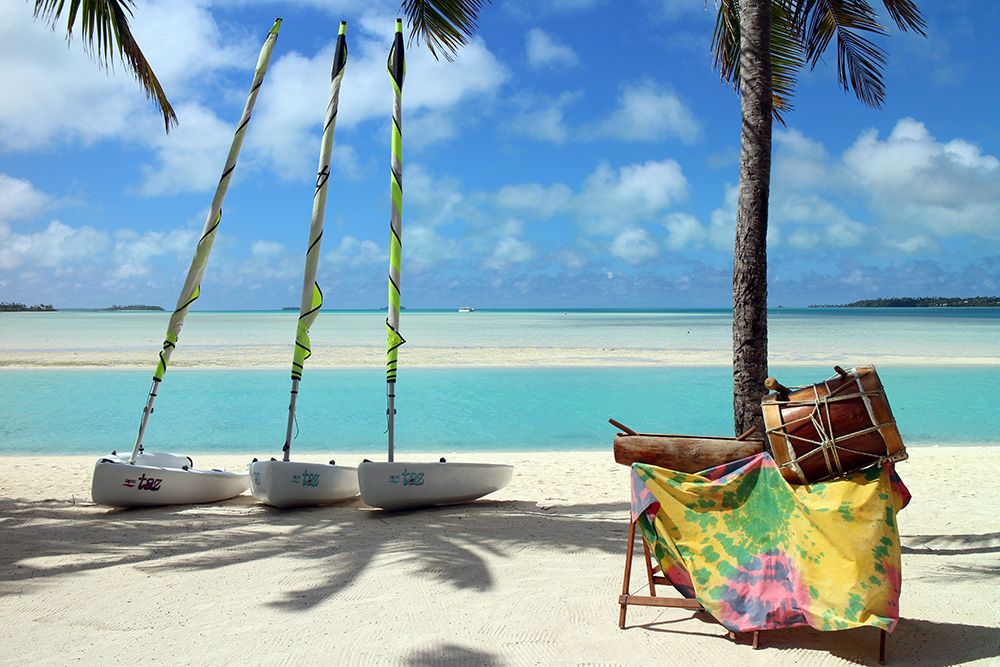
(134, 306)
(14, 307)
(921, 302)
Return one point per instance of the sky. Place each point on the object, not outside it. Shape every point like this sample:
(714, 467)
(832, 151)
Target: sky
(577, 153)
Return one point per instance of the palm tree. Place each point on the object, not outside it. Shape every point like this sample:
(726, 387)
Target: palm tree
(759, 47)
(105, 29)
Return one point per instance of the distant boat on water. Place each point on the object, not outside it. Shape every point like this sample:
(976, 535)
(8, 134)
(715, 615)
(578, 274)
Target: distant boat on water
(466, 309)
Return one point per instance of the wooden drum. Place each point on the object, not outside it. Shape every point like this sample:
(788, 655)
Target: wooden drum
(831, 428)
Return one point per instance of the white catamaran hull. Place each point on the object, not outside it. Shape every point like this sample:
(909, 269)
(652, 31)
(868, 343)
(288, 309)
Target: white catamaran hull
(161, 479)
(408, 484)
(290, 484)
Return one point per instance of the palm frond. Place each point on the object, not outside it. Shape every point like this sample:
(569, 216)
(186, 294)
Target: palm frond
(726, 42)
(104, 25)
(787, 54)
(860, 61)
(446, 25)
(906, 15)
(787, 57)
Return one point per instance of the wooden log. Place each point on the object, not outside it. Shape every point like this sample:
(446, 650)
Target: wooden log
(685, 453)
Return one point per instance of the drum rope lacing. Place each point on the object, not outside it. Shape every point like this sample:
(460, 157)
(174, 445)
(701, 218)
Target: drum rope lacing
(828, 443)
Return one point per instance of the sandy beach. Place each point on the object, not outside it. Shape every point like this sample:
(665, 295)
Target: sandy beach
(528, 576)
(277, 356)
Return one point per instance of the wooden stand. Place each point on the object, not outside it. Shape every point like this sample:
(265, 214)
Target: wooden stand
(652, 600)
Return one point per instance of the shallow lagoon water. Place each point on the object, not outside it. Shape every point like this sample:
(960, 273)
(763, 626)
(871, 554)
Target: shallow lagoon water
(439, 410)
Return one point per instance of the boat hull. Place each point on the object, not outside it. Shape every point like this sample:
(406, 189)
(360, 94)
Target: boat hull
(118, 483)
(286, 484)
(408, 484)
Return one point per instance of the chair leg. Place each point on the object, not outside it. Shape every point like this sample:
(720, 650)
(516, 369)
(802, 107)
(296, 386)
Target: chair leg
(628, 574)
(881, 646)
(756, 639)
(649, 568)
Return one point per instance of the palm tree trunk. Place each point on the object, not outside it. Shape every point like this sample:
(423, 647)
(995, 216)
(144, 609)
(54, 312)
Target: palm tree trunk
(750, 254)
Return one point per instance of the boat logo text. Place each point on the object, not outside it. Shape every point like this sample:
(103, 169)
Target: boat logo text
(143, 483)
(306, 478)
(408, 478)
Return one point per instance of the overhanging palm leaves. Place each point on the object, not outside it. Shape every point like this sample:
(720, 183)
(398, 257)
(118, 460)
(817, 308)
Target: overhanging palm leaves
(105, 29)
(801, 31)
(445, 25)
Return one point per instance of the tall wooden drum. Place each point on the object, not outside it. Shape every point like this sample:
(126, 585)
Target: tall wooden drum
(832, 428)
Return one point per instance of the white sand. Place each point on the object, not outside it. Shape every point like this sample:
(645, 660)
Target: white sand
(278, 356)
(529, 576)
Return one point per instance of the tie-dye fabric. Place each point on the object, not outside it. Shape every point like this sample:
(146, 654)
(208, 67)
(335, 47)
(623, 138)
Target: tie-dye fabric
(761, 554)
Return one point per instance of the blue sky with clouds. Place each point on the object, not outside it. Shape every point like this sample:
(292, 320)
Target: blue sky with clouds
(578, 153)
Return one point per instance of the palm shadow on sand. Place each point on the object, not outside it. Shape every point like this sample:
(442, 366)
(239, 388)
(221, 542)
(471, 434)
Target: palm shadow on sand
(336, 543)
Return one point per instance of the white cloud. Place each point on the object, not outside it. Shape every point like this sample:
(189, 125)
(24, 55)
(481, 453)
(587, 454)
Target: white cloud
(825, 221)
(507, 252)
(612, 200)
(190, 158)
(543, 118)
(722, 222)
(48, 84)
(800, 162)
(544, 51)
(439, 199)
(644, 112)
(354, 252)
(184, 43)
(425, 247)
(634, 245)
(266, 249)
(430, 127)
(133, 252)
(290, 109)
(541, 201)
(19, 199)
(915, 182)
(917, 190)
(179, 37)
(57, 246)
(647, 112)
(571, 260)
(803, 238)
(684, 230)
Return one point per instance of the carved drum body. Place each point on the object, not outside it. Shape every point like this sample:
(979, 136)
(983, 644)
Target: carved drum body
(829, 429)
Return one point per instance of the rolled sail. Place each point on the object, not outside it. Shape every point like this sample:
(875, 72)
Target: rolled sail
(397, 71)
(192, 284)
(312, 296)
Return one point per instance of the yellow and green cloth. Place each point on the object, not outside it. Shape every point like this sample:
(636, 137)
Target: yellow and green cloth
(760, 554)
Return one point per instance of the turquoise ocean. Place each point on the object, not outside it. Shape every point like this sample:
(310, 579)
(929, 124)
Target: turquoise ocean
(441, 409)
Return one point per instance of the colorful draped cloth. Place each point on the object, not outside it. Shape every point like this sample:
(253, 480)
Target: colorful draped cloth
(760, 554)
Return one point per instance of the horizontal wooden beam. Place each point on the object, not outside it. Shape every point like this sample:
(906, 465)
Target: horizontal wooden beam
(649, 601)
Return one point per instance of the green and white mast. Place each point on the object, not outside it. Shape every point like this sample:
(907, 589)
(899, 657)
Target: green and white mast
(397, 70)
(192, 284)
(312, 296)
